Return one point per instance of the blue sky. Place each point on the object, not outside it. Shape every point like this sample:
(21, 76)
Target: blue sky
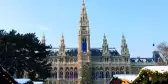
(143, 22)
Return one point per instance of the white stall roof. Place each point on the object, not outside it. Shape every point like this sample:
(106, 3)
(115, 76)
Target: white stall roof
(129, 77)
(22, 81)
(38, 82)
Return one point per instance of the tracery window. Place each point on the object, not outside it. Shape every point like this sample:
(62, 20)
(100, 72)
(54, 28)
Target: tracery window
(55, 72)
(61, 75)
(112, 73)
(101, 74)
(107, 74)
(75, 73)
(127, 70)
(117, 72)
(67, 73)
(71, 73)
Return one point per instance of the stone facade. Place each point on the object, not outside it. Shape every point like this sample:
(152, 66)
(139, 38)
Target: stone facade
(105, 61)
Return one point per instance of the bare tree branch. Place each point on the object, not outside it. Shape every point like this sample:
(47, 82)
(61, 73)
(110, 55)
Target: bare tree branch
(163, 48)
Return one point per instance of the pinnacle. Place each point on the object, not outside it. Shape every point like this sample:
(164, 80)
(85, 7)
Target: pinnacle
(83, 1)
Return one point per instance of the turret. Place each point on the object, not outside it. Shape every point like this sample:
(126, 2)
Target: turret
(62, 47)
(124, 47)
(105, 49)
(43, 39)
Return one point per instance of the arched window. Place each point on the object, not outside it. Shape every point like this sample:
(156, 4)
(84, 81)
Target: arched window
(127, 70)
(71, 75)
(55, 72)
(107, 74)
(112, 73)
(117, 72)
(101, 74)
(66, 74)
(121, 72)
(56, 75)
(75, 73)
(61, 75)
(97, 75)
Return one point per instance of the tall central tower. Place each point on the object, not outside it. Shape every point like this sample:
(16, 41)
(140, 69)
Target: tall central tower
(83, 37)
(83, 46)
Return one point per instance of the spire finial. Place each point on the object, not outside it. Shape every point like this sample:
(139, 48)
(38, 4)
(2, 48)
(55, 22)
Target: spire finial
(123, 35)
(43, 34)
(104, 35)
(62, 37)
(43, 39)
(83, 1)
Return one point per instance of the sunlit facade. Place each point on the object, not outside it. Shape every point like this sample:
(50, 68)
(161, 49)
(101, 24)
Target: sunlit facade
(105, 61)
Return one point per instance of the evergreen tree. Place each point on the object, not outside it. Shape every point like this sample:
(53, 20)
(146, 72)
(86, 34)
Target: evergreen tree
(23, 52)
(87, 74)
(5, 77)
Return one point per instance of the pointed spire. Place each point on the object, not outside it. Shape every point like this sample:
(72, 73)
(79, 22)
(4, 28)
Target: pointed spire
(105, 47)
(62, 37)
(104, 36)
(43, 34)
(43, 39)
(105, 39)
(123, 37)
(83, 1)
(83, 16)
(124, 48)
(62, 47)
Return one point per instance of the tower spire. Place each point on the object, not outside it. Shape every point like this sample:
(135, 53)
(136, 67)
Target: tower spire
(83, 16)
(83, 36)
(105, 47)
(62, 47)
(43, 39)
(104, 36)
(124, 48)
(62, 37)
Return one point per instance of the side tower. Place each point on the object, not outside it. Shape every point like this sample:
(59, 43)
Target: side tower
(125, 53)
(84, 65)
(124, 48)
(105, 48)
(62, 47)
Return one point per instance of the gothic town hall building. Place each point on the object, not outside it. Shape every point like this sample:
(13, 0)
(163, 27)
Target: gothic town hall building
(105, 61)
